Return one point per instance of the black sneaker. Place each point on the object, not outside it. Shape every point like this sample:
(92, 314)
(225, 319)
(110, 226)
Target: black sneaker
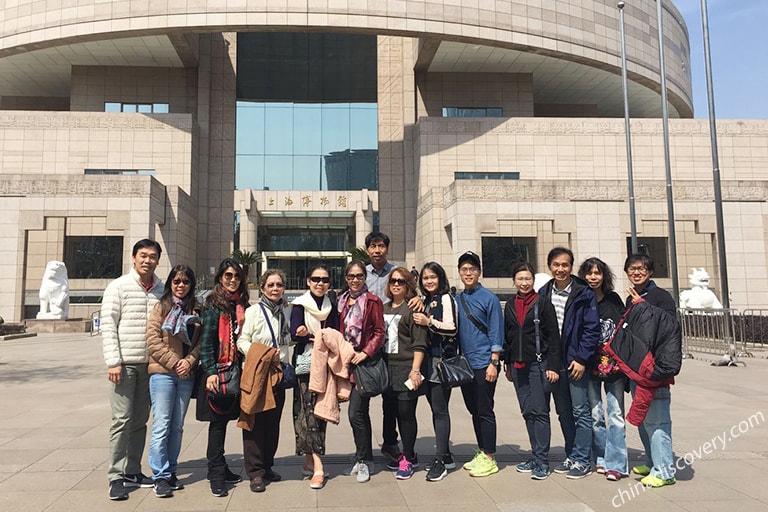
(271, 476)
(565, 467)
(175, 483)
(117, 490)
(232, 478)
(436, 471)
(163, 488)
(137, 480)
(218, 489)
(392, 452)
(579, 470)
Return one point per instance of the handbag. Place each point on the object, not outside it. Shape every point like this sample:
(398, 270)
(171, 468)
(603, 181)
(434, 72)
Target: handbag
(371, 376)
(289, 379)
(304, 361)
(229, 380)
(455, 371)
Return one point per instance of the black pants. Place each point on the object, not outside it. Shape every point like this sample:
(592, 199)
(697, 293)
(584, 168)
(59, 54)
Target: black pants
(533, 390)
(217, 433)
(438, 397)
(260, 444)
(360, 421)
(478, 398)
(561, 393)
(405, 415)
(389, 421)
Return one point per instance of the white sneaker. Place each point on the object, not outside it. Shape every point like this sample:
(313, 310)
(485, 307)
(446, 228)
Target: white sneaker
(363, 472)
(354, 470)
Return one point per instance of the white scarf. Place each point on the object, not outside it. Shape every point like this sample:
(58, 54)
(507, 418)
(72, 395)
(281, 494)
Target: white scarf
(313, 316)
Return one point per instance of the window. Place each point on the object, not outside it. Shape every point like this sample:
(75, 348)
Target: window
(93, 257)
(468, 175)
(472, 112)
(502, 253)
(142, 108)
(655, 247)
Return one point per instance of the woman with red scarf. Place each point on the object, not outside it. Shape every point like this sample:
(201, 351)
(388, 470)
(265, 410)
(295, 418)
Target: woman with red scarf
(223, 318)
(532, 356)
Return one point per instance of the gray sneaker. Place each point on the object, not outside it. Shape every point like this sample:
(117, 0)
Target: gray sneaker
(579, 471)
(354, 469)
(563, 468)
(363, 472)
(526, 467)
(117, 490)
(163, 488)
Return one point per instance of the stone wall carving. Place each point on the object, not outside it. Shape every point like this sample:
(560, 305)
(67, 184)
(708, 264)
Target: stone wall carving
(586, 190)
(95, 120)
(46, 185)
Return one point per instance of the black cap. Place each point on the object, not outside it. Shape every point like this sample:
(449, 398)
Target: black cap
(470, 257)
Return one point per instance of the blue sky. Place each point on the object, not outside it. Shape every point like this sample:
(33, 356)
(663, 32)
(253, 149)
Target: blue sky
(738, 31)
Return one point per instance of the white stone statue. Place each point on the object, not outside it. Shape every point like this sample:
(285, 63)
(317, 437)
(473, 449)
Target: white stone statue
(54, 292)
(539, 280)
(699, 296)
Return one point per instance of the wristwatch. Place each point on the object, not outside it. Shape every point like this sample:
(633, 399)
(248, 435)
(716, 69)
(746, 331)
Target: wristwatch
(496, 363)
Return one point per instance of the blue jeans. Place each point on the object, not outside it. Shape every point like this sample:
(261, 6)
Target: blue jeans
(656, 435)
(582, 419)
(170, 398)
(561, 394)
(609, 440)
(533, 391)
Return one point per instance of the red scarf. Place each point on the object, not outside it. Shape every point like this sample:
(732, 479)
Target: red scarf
(227, 333)
(522, 305)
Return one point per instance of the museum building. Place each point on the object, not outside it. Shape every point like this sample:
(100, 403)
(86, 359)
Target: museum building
(292, 128)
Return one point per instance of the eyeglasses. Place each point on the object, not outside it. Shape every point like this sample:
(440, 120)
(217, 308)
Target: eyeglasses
(274, 285)
(177, 282)
(352, 277)
(467, 270)
(637, 270)
(231, 275)
(398, 282)
(316, 279)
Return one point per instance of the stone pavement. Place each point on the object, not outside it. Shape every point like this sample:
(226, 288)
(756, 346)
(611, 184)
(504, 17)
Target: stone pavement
(54, 416)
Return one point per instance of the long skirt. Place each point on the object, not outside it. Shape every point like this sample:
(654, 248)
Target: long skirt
(310, 430)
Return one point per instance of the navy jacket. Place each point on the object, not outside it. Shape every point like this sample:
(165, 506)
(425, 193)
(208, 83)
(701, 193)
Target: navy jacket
(581, 325)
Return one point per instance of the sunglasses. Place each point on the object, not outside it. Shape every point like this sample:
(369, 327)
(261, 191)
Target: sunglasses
(230, 275)
(398, 282)
(352, 277)
(177, 282)
(316, 279)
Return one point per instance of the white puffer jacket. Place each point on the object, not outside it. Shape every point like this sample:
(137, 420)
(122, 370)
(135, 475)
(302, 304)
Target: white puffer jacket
(124, 313)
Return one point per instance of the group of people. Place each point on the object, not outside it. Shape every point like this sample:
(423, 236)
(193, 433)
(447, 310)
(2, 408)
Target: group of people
(161, 348)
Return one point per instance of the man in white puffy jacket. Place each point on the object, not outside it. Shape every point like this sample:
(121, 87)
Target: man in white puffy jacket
(127, 302)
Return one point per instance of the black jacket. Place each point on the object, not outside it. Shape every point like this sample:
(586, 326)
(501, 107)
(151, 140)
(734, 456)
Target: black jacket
(520, 344)
(649, 341)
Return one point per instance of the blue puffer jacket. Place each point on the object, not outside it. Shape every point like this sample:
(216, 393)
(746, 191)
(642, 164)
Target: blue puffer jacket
(581, 325)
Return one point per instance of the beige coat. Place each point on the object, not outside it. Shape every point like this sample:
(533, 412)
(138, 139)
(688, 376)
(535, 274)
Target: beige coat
(166, 350)
(329, 373)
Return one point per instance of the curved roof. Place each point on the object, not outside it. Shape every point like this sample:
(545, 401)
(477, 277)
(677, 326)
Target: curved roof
(572, 47)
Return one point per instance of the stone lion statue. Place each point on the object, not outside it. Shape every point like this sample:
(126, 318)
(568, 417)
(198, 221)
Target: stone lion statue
(699, 296)
(54, 292)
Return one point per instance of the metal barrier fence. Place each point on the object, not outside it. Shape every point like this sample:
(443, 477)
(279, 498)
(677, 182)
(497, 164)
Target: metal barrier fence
(753, 333)
(711, 331)
(729, 333)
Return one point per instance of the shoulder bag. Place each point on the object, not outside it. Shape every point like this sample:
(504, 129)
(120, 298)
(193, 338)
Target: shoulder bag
(454, 369)
(371, 376)
(289, 379)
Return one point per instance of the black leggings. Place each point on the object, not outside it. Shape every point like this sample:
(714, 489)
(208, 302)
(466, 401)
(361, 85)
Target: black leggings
(406, 419)
(438, 397)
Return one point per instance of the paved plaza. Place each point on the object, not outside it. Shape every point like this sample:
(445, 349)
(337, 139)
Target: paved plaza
(54, 417)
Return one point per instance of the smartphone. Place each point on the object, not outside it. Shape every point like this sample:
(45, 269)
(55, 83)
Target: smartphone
(409, 384)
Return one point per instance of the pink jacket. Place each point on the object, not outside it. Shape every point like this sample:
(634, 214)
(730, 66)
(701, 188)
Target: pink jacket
(329, 373)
